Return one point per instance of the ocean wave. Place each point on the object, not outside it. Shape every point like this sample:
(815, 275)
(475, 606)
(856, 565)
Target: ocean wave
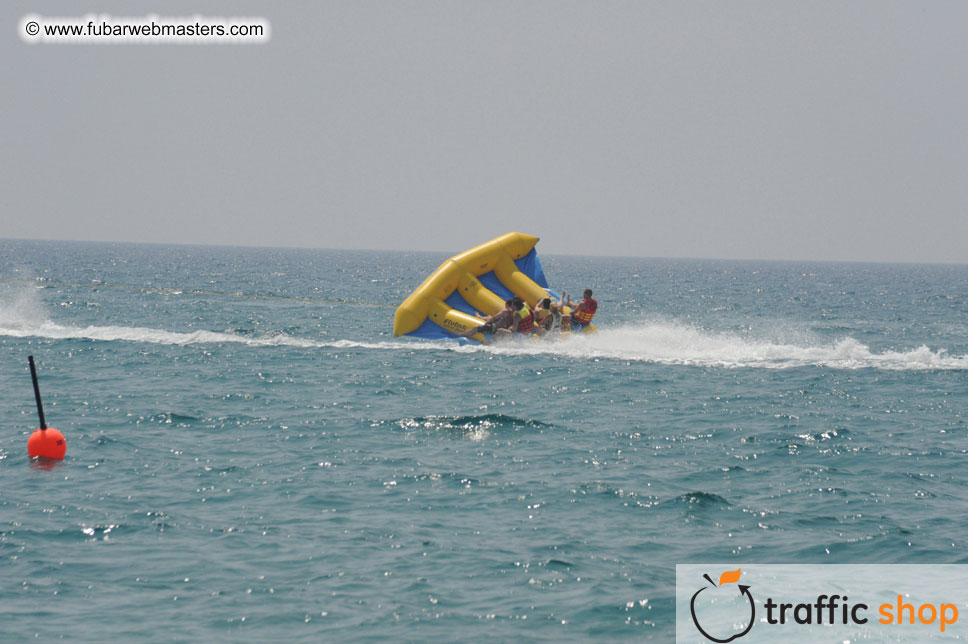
(474, 427)
(487, 421)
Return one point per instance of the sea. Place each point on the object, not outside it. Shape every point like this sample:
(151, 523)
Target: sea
(252, 456)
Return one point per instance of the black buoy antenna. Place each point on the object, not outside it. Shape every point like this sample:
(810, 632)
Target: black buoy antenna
(40, 406)
(45, 442)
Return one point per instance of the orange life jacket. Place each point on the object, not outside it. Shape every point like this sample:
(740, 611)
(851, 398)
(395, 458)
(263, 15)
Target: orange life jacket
(585, 316)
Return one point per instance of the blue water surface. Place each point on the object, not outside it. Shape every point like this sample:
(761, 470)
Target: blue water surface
(253, 457)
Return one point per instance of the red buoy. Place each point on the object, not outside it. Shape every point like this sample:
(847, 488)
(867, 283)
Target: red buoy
(46, 442)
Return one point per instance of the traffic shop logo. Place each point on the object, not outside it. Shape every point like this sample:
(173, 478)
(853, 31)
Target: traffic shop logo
(739, 605)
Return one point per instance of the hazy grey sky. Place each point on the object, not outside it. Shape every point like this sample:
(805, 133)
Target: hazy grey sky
(777, 130)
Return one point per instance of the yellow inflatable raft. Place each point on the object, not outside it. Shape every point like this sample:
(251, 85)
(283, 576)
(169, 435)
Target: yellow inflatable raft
(476, 282)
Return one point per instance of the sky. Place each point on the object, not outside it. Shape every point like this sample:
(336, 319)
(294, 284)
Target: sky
(822, 130)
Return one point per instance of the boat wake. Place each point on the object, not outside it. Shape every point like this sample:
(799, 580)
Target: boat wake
(678, 344)
(54, 331)
(669, 343)
(19, 319)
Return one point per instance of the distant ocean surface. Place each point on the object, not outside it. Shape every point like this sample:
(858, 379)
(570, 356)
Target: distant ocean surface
(253, 457)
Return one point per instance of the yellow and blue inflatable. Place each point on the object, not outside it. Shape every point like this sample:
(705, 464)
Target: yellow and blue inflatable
(477, 281)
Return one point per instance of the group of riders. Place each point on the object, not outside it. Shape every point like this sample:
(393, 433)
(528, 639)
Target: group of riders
(518, 318)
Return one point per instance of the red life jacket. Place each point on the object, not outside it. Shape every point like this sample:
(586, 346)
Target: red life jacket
(525, 324)
(585, 316)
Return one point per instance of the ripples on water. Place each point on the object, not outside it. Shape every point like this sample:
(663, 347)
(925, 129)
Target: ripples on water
(244, 468)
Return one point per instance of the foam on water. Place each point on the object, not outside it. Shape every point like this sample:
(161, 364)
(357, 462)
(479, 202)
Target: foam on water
(663, 342)
(23, 316)
(53, 331)
(671, 344)
(678, 344)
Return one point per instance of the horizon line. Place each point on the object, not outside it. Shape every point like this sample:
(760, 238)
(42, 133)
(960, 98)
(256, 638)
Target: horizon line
(444, 252)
